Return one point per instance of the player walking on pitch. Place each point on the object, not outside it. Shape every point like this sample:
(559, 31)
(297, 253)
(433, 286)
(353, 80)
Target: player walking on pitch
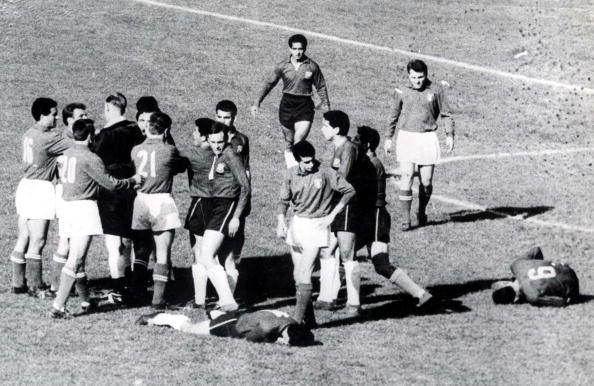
(414, 112)
(300, 75)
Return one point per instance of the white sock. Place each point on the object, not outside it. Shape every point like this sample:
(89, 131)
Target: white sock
(401, 278)
(290, 159)
(218, 278)
(329, 276)
(353, 282)
(200, 282)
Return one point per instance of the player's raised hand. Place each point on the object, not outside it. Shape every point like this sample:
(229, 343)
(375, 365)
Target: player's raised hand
(281, 229)
(388, 146)
(449, 143)
(254, 111)
(233, 226)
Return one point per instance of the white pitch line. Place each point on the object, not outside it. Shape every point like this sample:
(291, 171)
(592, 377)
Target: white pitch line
(516, 154)
(473, 206)
(430, 58)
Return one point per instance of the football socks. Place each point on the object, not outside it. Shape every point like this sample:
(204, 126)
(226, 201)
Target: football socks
(200, 281)
(18, 269)
(302, 301)
(329, 279)
(160, 279)
(67, 279)
(218, 278)
(33, 270)
(353, 282)
(58, 261)
(401, 279)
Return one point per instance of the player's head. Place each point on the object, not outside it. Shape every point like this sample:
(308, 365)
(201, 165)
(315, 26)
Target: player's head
(73, 112)
(45, 112)
(368, 138)
(336, 122)
(159, 123)
(217, 137)
(115, 105)
(504, 292)
(297, 46)
(146, 104)
(298, 335)
(417, 73)
(200, 132)
(305, 154)
(226, 111)
(83, 129)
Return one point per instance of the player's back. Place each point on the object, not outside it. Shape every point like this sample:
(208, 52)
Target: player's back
(40, 150)
(263, 325)
(158, 162)
(546, 283)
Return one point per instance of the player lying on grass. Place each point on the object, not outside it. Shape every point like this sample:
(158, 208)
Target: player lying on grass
(84, 174)
(264, 326)
(539, 282)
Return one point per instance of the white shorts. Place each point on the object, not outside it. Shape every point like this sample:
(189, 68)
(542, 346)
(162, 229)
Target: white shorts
(80, 218)
(36, 199)
(417, 148)
(308, 233)
(156, 211)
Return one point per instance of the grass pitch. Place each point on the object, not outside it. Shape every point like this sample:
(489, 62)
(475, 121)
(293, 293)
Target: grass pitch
(82, 50)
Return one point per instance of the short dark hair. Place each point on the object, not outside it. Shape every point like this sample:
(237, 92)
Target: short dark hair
(227, 105)
(203, 125)
(504, 295)
(417, 66)
(340, 119)
(42, 106)
(82, 128)
(118, 100)
(300, 335)
(303, 149)
(298, 38)
(146, 104)
(218, 127)
(159, 122)
(68, 111)
(368, 136)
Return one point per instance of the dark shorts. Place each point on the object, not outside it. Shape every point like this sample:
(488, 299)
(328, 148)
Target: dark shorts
(374, 226)
(224, 325)
(221, 213)
(198, 215)
(346, 220)
(294, 108)
(115, 210)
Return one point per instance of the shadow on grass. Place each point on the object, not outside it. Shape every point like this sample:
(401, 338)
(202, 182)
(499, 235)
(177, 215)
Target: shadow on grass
(491, 214)
(583, 299)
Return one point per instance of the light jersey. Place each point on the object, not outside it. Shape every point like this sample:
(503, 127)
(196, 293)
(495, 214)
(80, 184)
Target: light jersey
(418, 110)
(262, 326)
(82, 173)
(298, 81)
(114, 144)
(41, 147)
(200, 164)
(229, 179)
(158, 162)
(312, 193)
(546, 283)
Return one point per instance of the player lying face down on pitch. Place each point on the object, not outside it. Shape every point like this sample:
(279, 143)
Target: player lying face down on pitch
(264, 326)
(539, 282)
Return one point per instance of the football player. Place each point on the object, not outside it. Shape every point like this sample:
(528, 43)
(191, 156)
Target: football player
(113, 144)
(311, 190)
(300, 75)
(36, 197)
(539, 282)
(154, 207)
(84, 174)
(414, 112)
(270, 326)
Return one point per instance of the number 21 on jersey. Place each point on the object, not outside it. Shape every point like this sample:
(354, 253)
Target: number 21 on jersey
(146, 158)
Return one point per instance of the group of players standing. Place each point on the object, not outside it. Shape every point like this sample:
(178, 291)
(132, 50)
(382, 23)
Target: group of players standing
(117, 181)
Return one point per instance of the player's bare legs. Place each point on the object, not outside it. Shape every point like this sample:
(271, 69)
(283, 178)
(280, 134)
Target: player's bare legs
(199, 275)
(17, 257)
(37, 230)
(58, 261)
(143, 250)
(163, 242)
(407, 170)
(304, 260)
(425, 191)
(73, 271)
(301, 131)
(289, 136)
(211, 243)
(229, 262)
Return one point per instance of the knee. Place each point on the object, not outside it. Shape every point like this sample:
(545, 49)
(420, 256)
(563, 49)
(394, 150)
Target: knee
(382, 265)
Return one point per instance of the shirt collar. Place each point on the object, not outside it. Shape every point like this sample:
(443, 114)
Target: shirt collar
(305, 59)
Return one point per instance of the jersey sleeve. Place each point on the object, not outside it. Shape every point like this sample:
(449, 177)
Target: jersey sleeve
(269, 84)
(179, 163)
(285, 193)
(320, 85)
(395, 110)
(238, 170)
(347, 161)
(98, 173)
(339, 184)
(58, 145)
(445, 111)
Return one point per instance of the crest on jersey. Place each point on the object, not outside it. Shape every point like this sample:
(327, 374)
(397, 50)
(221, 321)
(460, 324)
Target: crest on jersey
(317, 183)
(430, 97)
(239, 148)
(336, 163)
(308, 74)
(220, 168)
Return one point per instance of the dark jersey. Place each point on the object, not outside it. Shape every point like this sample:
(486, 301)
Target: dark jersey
(200, 164)
(380, 180)
(229, 179)
(241, 145)
(158, 162)
(350, 161)
(259, 326)
(545, 283)
(114, 144)
(41, 147)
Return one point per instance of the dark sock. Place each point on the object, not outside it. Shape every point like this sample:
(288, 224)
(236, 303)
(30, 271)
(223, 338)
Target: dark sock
(425, 192)
(302, 301)
(82, 286)
(160, 278)
(18, 269)
(382, 265)
(33, 270)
